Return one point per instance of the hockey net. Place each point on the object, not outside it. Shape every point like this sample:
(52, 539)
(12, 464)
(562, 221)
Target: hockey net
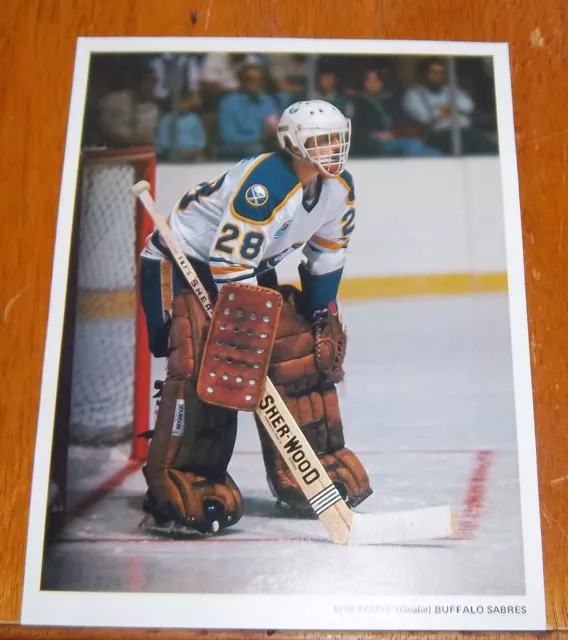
(110, 370)
(104, 378)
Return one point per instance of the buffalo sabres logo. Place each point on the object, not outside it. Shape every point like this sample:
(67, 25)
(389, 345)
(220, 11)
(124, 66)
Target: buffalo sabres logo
(257, 195)
(282, 229)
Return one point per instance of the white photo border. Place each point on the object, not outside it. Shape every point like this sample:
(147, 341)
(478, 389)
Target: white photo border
(272, 611)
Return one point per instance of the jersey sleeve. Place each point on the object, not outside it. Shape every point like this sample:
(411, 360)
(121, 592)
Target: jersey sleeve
(251, 220)
(326, 250)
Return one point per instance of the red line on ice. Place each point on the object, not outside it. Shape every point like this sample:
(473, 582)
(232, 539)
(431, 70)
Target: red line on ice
(469, 520)
(103, 490)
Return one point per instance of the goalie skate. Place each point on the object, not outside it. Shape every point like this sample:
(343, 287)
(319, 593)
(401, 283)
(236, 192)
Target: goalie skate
(173, 529)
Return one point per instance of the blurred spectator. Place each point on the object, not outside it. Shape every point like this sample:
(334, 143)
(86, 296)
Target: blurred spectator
(129, 116)
(220, 71)
(476, 78)
(190, 138)
(247, 118)
(169, 68)
(290, 74)
(429, 103)
(219, 76)
(326, 89)
(373, 124)
(223, 109)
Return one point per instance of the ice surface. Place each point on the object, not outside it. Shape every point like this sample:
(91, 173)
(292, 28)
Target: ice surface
(428, 406)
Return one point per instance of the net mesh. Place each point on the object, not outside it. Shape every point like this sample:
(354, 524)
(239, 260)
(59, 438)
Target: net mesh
(102, 386)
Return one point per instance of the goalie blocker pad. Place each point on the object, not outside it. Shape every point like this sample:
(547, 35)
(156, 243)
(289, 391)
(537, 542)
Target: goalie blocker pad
(239, 346)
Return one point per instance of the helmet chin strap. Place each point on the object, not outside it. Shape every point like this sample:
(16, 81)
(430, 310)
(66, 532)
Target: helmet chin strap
(322, 170)
(315, 163)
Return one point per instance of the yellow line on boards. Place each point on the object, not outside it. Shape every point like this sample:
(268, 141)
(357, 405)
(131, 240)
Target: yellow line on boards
(94, 305)
(414, 285)
(98, 305)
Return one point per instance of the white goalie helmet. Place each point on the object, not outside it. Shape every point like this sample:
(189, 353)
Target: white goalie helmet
(319, 131)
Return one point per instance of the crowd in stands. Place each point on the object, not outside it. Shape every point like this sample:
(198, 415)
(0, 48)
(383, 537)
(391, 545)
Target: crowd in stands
(221, 106)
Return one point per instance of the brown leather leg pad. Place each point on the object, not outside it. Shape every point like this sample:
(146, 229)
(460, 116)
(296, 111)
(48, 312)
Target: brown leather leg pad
(188, 457)
(317, 414)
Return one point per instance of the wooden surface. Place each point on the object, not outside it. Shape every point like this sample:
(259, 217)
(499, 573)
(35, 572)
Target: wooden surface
(37, 50)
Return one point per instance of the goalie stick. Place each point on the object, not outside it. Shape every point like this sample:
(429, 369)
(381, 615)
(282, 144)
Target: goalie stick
(343, 525)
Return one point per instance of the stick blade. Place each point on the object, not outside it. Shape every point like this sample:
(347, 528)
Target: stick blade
(402, 526)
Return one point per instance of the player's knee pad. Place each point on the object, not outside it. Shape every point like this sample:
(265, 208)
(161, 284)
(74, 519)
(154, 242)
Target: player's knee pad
(311, 397)
(192, 442)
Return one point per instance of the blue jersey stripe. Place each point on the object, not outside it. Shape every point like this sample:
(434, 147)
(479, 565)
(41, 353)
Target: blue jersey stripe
(348, 183)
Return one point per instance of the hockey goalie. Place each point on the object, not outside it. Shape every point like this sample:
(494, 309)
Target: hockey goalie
(234, 231)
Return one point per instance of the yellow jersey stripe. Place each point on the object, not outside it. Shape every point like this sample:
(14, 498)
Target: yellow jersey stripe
(327, 244)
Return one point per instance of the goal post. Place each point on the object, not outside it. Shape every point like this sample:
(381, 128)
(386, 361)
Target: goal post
(103, 386)
(111, 364)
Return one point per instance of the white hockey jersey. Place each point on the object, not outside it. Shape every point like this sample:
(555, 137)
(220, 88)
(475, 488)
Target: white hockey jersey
(257, 213)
